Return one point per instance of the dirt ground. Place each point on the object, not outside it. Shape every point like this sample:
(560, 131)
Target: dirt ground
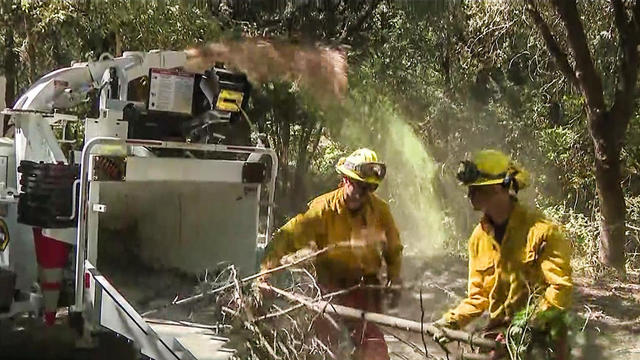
(607, 315)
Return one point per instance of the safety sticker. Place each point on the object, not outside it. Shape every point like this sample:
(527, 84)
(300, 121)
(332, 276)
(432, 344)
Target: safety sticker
(4, 235)
(229, 100)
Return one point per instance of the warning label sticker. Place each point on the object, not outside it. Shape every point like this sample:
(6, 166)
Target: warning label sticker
(171, 91)
(4, 235)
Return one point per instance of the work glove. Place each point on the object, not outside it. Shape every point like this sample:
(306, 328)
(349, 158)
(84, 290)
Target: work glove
(439, 336)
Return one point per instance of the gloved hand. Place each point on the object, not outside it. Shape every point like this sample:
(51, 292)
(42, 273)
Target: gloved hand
(439, 336)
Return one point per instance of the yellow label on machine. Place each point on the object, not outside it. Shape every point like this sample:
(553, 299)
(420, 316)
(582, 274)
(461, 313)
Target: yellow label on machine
(4, 235)
(229, 100)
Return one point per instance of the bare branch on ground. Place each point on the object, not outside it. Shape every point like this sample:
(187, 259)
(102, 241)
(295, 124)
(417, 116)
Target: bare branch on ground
(385, 320)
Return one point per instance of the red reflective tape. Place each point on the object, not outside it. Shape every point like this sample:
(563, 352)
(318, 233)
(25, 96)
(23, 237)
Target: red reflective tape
(51, 286)
(50, 253)
(87, 280)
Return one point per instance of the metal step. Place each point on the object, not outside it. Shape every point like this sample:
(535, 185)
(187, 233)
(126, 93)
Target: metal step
(117, 315)
(203, 347)
(193, 341)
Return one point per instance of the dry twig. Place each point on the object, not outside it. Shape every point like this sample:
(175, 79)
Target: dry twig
(204, 295)
(424, 342)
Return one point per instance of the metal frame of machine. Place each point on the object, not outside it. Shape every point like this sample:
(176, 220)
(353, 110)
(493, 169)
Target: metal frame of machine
(101, 303)
(34, 117)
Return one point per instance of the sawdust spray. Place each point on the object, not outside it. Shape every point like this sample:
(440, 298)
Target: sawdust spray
(321, 70)
(372, 121)
(361, 119)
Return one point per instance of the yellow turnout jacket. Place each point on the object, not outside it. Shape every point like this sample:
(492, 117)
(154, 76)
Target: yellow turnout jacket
(358, 241)
(533, 258)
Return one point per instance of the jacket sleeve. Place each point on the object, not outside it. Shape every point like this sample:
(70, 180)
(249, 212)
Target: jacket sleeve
(477, 300)
(554, 254)
(393, 250)
(298, 233)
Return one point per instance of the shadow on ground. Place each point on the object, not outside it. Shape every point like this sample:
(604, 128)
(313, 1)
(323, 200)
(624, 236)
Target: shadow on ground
(28, 338)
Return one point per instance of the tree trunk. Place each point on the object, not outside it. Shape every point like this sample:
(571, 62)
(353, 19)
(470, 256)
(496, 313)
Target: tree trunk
(118, 43)
(31, 40)
(285, 139)
(610, 195)
(9, 73)
(298, 188)
(607, 127)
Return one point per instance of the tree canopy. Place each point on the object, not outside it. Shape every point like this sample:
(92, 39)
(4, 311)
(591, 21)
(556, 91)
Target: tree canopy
(553, 83)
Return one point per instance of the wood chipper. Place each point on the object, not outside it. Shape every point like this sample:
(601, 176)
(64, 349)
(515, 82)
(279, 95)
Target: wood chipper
(166, 183)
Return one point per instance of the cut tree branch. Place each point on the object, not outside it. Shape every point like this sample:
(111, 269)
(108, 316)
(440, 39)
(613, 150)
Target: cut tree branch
(588, 78)
(559, 56)
(204, 295)
(424, 343)
(385, 320)
(298, 306)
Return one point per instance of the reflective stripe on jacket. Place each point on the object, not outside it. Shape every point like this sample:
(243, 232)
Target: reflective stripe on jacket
(359, 240)
(533, 257)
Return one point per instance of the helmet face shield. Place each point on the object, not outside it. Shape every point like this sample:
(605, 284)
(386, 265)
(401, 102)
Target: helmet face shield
(369, 170)
(492, 167)
(372, 170)
(469, 174)
(362, 165)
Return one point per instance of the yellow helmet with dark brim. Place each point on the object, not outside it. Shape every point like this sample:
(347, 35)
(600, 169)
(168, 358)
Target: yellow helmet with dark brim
(490, 167)
(362, 165)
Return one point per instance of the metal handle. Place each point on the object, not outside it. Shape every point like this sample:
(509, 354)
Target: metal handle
(74, 203)
(82, 211)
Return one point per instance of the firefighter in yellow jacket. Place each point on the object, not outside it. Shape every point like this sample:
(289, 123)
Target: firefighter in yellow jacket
(515, 254)
(357, 227)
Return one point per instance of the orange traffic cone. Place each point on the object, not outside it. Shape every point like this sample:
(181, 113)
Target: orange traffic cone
(51, 256)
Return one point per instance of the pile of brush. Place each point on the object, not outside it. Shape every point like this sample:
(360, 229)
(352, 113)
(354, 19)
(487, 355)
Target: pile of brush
(259, 324)
(276, 320)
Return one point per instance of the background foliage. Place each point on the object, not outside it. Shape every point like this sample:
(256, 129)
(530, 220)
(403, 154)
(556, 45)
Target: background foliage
(430, 82)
